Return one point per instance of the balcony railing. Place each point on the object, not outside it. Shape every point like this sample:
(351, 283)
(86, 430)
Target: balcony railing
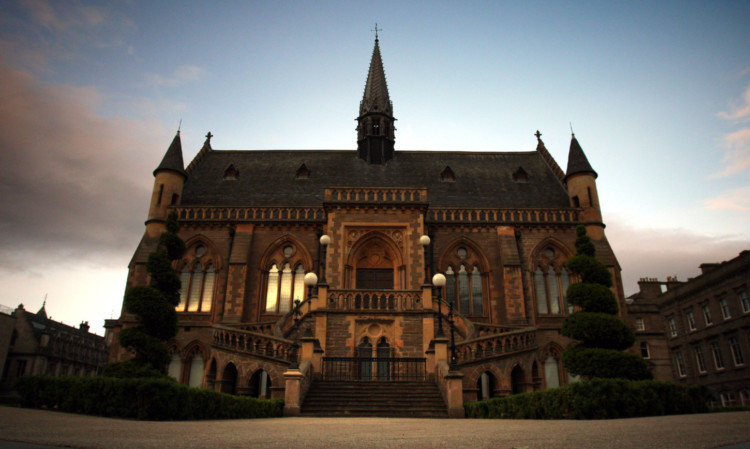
(252, 342)
(374, 368)
(363, 300)
(497, 345)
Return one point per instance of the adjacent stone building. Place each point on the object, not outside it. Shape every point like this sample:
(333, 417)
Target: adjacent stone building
(40, 345)
(707, 327)
(375, 224)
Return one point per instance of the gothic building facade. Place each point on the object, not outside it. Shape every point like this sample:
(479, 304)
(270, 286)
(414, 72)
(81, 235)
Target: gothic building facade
(374, 225)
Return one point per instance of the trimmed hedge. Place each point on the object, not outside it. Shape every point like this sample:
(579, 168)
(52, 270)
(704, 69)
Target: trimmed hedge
(144, 399)
(597, 399)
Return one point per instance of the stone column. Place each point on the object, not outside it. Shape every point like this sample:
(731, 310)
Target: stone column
(454, 394)
(292, 393)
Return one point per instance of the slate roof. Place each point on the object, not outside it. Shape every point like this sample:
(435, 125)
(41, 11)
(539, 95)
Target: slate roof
(267, 178)
(173, 158)
(577, 161)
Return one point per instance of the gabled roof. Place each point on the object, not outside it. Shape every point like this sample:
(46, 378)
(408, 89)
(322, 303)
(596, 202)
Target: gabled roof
(375, 97)
(577, 161)
(267, 178)
(173, 158)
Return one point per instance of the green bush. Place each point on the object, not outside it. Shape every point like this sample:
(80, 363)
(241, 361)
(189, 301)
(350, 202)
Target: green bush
(606, 363)
(597, 399)
(144, 399)
(598, 329)
(593, 298)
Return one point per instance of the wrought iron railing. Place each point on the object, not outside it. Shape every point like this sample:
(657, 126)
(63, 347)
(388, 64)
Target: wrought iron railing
(374, 368)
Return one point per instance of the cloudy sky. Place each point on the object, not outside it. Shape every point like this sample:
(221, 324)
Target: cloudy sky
(92, 92)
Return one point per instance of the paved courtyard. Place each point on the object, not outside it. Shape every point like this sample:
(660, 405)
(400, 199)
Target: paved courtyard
(78, 431)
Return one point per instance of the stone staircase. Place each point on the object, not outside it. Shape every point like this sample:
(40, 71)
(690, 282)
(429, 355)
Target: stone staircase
(374, 398)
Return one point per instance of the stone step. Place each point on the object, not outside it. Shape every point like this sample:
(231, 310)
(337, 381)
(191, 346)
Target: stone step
(374, 398)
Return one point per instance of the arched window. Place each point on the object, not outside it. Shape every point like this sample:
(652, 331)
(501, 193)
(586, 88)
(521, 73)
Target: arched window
(195, 375)
(283, 281)
(551, 282)
(197, 281)
(175, 364)
(197, 288)
(465, 284)
(485, 386)
(466, 288)
(552, 371)
(284, 288)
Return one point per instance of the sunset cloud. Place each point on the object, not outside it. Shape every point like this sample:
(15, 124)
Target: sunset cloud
(739, 111)
(737, 200)
(74, 185)
(654, 252)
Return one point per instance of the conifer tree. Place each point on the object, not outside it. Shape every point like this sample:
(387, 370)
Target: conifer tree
(154, 307)
(602, 335)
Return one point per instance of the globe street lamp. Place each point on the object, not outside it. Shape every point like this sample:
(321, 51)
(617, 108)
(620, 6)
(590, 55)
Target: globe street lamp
(439, 281)
(324, 242)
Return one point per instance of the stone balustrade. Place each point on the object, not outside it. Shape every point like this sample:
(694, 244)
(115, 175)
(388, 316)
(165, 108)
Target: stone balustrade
(496, 345)
(374, 301)
(375, 195)
(263, 345)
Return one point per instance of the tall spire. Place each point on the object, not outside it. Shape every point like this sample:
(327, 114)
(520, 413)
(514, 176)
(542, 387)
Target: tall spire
(173, 157)
(375, 131)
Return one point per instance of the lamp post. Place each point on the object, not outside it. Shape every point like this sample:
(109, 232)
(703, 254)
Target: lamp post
(310, 280)
(454, 360)
(439, 281)
(425, 242)
(324, 242)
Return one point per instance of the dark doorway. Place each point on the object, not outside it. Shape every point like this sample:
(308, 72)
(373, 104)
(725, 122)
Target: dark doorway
(384, 365)
(260, 385)
(517, 380)
(365, 355)
(229, 379)
(374, 279)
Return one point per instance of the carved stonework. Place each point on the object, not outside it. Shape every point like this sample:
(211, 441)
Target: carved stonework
(395, 234)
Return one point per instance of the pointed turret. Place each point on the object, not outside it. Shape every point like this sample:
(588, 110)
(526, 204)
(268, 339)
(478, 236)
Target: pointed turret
(577, 161)
(173, 158)
(580, 179)
(375, 129)
(169, 177)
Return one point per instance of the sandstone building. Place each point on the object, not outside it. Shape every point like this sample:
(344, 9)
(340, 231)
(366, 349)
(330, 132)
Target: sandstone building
(375, 225)
(33, 343)
(704, 326)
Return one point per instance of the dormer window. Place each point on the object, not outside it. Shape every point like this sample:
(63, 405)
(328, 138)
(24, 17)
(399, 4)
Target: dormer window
(302, 172)
(520, 175)
(447, 175)
(231, 173)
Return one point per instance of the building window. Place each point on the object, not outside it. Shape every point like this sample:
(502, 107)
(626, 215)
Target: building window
(196, 288)
(725, 313)
(284, 288)
(466, 287)
(727, 399)
(639, 324)
(700, 360)
(690, 319)
(744, 301)
(551, 290)
(552, 371)
(736, 352)
(644, 350)
(716, 353)
(672, 326)
(707, 314)
(681, 369)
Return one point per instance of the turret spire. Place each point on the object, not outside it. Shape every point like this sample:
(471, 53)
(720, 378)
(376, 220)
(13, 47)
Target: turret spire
(375, 131)
(173, 157)
(577, 161)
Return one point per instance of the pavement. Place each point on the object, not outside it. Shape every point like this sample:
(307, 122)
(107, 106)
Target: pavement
(42, 429)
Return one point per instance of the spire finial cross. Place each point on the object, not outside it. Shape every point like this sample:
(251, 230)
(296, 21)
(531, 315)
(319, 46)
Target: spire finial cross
(538, 135)
(209, 136)
(376, 30)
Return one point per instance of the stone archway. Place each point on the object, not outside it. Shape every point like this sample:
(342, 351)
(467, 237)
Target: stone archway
(375, 263)
(229, 379)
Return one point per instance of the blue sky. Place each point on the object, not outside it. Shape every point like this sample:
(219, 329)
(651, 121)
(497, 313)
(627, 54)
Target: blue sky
(658, 94)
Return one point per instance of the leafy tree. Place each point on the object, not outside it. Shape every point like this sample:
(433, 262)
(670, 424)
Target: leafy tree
(154, 306)
(602, 335)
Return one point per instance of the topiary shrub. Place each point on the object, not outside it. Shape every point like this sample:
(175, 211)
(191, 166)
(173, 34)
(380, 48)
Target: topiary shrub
(602, 335)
